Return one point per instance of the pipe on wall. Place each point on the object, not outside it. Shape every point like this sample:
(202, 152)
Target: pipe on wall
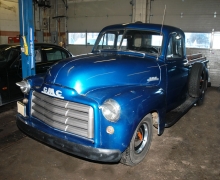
(148, 11)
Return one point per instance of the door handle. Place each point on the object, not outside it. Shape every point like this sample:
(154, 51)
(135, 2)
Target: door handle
(186, 62)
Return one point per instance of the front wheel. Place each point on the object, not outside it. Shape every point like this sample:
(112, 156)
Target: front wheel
(140, 143)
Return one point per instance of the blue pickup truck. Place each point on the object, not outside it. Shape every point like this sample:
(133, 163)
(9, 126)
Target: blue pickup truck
(104, 105)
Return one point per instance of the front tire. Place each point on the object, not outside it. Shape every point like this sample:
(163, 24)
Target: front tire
(140, 143)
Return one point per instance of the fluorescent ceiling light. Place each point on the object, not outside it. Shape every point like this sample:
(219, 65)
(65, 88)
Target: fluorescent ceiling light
(12, 1)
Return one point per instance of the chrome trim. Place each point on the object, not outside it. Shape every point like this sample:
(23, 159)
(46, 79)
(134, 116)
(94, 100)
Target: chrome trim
(91, 123)
(186, 62)
(64, 115)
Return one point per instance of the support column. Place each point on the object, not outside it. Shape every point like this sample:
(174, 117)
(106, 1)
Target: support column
(27, 37)
(139, 10)
(148, 11)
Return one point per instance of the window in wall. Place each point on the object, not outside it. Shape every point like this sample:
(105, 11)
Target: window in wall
(216, 41)
(82, 38)
(77, 38)
(198, 40)
(156, 40)
(91, 38)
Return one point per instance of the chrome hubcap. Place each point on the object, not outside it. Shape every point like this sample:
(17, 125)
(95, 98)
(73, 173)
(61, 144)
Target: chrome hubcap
(141, 138)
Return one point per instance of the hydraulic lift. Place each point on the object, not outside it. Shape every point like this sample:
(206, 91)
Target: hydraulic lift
(27, 37)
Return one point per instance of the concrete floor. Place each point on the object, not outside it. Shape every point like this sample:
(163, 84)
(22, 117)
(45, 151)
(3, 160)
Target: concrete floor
(188, 150)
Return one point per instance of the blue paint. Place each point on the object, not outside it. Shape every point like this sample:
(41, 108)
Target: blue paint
(141, 83)
(27, 31)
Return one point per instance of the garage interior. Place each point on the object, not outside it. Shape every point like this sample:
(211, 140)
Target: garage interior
(188, 150)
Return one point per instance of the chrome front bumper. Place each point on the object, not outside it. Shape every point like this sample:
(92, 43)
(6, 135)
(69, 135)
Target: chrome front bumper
(87, 152)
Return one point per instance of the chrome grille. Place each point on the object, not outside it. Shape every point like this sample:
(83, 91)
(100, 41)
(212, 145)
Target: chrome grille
(64, 115)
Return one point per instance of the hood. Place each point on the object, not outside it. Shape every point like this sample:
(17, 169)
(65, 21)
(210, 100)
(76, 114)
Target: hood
(93, 71)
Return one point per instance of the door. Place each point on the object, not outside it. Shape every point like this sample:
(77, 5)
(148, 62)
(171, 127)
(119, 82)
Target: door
(4, 90)
(177, 73)
(10, 73)
(15, 75)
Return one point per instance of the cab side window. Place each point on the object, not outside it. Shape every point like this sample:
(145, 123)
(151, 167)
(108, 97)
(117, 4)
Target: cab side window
(175, 47)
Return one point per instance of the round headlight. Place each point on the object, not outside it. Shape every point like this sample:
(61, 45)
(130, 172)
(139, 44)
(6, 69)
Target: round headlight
(24, 86)
(111, 110)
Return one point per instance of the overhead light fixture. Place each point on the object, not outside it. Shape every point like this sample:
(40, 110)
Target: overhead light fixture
(181, 15)
(215, 14)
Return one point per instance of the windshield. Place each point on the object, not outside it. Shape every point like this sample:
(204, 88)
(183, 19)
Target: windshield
(8, 53)
(130, 40)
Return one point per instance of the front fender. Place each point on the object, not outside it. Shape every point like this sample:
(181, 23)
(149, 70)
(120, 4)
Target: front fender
(135, 102)
(36, 80)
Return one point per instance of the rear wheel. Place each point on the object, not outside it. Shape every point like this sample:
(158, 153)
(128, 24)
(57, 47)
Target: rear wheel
(198, 82)
(140, 143)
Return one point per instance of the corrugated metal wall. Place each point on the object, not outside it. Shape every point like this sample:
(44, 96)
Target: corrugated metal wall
(93, 16)
(197, 15)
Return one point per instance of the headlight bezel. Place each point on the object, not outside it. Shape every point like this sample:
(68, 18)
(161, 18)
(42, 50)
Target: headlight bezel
(111, 110)
(24, 86)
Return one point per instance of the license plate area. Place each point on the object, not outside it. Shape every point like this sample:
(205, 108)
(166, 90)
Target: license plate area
(21, 108)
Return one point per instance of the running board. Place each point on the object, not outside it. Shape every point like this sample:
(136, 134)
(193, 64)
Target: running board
(173, 116)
